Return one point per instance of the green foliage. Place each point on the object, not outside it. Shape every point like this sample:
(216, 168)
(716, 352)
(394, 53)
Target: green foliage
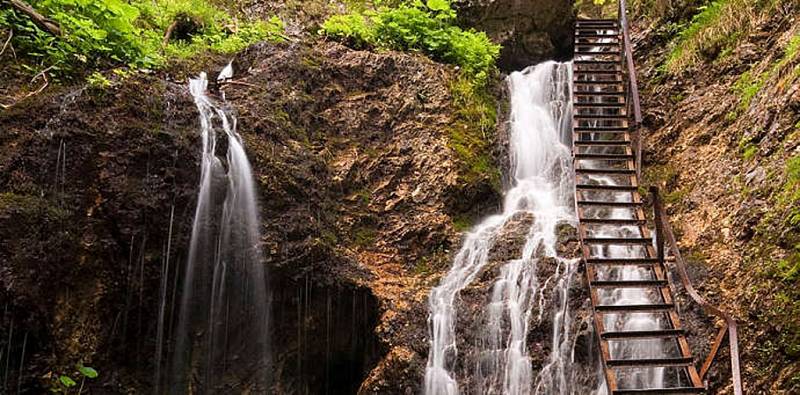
(714, 31)
(473, 129)
(462, 223)
(65, 383)
(99, 34)
(747, 86)
(791, 188)
(88, 372)
(428, 27)
(749, 152)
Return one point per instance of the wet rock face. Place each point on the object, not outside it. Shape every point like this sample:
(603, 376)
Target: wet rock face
(473, 302)
(358, 188)
(530, 31)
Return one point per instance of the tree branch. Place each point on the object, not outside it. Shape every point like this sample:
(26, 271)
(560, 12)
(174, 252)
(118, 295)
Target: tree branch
(40, 20)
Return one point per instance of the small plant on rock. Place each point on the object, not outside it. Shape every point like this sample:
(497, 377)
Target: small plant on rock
(65, 384)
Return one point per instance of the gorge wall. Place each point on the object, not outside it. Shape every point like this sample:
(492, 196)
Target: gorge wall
(362, 193)
(721, 141)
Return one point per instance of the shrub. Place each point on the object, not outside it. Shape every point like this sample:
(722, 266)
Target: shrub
(109, 33)
(428, 27)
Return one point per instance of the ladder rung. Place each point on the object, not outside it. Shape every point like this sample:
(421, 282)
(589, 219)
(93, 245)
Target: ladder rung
(595, 28)
(598, 44)
(594, 143)
(617, 240)
(589, 73)
(595, 94)
(647, 362)
(598, 105)
(609, 203)
(595, 129)
(596, 20)
(583, 61)
(629, 283)
(606, 171)
(634, 308)
(661, 391)
(654, 334)
(596, 35)
(600, 116)
(604, 156)
(622, 261)
(612, 221)
(592, 53)
(602, 82)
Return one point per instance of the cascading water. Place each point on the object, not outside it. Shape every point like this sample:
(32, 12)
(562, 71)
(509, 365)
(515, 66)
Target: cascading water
(223, 318)
(541, 116)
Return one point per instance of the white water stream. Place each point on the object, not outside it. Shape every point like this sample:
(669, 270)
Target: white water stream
(540, 127)
(223, 318)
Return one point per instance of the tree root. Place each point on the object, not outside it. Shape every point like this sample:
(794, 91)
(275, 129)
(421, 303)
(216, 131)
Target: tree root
(16, 100)
(8, 41)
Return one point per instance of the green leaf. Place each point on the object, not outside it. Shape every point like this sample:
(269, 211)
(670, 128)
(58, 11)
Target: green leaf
(67, 381)
(438, 5)
(88, 372)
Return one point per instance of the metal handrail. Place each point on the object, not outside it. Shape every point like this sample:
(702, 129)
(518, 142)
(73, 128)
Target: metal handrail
(664, 233)
(633, 85)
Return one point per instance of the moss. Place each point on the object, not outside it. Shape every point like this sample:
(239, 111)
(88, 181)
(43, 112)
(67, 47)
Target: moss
(462, 223)
(749, 152)
(472, 133)
(364, 236)
(746, 87)
(31, 206)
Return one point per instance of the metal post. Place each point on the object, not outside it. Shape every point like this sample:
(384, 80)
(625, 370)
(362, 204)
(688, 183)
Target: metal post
(658, 209)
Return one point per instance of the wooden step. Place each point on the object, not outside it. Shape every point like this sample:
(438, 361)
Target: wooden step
(604, 156)
(601, 82)
(618, 240)
(609, 129)
(635, 308)
(579, 94)
(653, 334)
(609, 203)
(622, 261)
(598, 105)
(600, 116)
(595, 62)
(596, 20)
(629, 283)
(595, 143)
(597, 72)
(612, 221)
(650, 362)
(593, 34)
(606, 171)
(598, 44)
(593, 53)
(661, 391)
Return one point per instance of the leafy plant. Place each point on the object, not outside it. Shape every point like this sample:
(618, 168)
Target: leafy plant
(100, 34)
(427, 26)
(65, 383)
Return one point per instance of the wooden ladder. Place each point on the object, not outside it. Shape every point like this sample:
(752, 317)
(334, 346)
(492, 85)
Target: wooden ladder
(602, 138)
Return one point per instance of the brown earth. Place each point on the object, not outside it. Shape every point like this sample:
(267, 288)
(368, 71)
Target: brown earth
(724, 203)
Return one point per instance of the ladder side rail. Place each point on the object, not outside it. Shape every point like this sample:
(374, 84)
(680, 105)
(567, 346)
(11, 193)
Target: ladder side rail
(728, 321)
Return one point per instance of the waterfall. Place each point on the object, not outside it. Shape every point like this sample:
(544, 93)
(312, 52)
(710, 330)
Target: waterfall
(223, 315)
(630, 349)
(543, 187)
